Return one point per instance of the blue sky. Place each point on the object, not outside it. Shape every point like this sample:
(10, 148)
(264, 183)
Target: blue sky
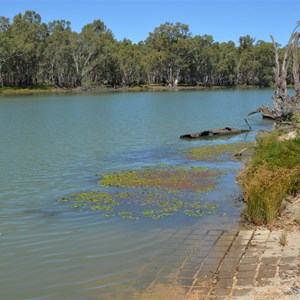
(225, 20)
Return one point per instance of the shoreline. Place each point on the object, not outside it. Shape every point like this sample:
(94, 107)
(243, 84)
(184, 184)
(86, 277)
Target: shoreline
(103, 89)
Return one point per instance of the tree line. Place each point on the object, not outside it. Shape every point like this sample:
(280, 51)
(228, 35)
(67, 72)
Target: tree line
(33, 53)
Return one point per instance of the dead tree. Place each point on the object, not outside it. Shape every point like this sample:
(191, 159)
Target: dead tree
(284, 105)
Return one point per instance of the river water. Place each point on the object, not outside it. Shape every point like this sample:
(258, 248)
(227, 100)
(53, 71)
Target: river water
(55, 145)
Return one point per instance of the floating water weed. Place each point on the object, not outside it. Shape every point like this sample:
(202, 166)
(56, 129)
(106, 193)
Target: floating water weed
(195, 178)
(151, 193)
(220, 152)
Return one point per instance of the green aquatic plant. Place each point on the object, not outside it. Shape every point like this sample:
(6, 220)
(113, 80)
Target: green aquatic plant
(94, 200)
(194, 178)
(151, 193)
(220, 152)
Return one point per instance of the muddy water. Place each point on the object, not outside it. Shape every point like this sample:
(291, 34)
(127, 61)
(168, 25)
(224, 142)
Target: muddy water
(54, 146)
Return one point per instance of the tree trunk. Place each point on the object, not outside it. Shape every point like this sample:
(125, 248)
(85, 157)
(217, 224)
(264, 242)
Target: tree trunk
(284, 105)
(296, 65)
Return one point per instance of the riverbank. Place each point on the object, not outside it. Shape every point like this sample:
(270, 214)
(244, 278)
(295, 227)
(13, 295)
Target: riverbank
(107, 89)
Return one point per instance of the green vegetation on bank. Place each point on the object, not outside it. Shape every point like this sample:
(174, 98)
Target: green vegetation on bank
(27, 90)
(270, 175)
(33, 53)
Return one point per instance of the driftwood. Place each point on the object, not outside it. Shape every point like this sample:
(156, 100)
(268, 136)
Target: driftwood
(286, 110)
(284, 105)
(214, 133)
(266, 113)
(239, 154)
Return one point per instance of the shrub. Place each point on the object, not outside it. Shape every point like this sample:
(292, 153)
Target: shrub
(272, 173)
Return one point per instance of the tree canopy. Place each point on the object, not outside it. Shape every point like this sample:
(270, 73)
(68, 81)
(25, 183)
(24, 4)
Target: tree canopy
(35, 53)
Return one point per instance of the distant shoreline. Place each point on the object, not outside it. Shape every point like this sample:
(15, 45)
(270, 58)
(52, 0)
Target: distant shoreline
(104, 89)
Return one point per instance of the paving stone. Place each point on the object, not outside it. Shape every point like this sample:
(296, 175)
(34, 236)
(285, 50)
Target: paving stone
(231, 232)
(241, 241)
(249, 260)
(292, 260)
(200, 293)
(228, 237)
(195, 260)
(269, 261)
(247, 267)
(225, 275)
(230, 268)
(266, 274)
(234, 254)
(230, 261)
(205, 274)
(245, 234)
(246, 274)
(197, 237)
(242, 282)
(217, 254)
(288, 273)
(204, 282)
(190, 267)
(212, 268)
(221, 292)
(184, 281)
(243, 293)
(265, 281)
(186, 274)
(286, 267)
(215, 232)
(224, 283)
(224, 243)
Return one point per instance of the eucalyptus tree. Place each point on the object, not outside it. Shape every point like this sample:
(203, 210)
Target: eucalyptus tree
(201, 64)
(87, 50)
(5, 48)
(226, 64)
(255, 63)
(264, 55)
(27, 36)
(170, 51)
(246, 62)
(131, 62)
(57, 66)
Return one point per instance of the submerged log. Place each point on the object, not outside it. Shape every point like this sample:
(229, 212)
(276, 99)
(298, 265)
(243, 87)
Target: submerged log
(214, 133)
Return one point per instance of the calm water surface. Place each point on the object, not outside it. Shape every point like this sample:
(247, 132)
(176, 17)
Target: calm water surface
(52, 146)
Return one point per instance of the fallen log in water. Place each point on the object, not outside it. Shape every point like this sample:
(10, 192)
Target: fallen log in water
(214, 133)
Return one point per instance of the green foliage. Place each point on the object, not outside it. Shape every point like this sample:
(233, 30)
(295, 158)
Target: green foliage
(272, 173)
(296, 117)
(277, 154)
(35, 53)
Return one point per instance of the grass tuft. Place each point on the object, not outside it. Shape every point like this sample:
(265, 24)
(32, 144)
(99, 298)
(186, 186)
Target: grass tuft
(271, 174)
(283, 239)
